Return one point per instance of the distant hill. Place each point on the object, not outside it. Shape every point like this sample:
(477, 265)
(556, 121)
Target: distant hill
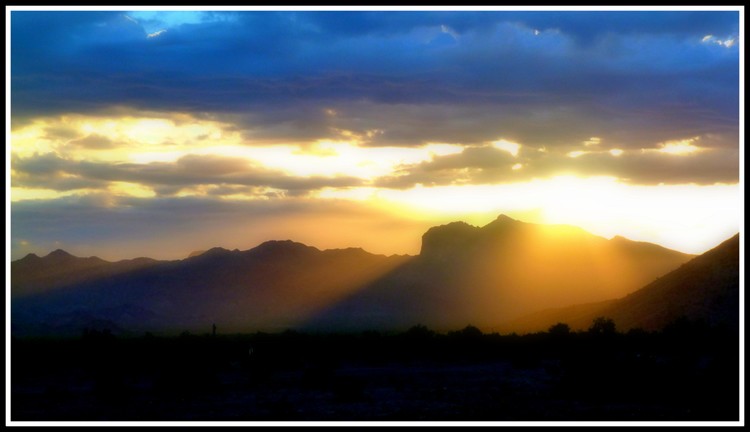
(705, 288)
(272, 286)
(196, 253)
(487, 275)
(33, 275)
(463, 275)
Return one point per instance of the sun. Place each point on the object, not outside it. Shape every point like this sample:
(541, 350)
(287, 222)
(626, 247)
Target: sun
(664, 214)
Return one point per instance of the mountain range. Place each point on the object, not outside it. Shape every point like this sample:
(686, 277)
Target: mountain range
(507, 275)
(706, 288)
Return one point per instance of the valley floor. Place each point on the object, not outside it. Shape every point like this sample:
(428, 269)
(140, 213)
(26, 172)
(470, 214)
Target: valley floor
(417, 376)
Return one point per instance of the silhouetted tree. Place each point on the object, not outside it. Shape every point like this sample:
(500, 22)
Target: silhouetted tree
(419, 332)
(602, 326)
(470, 332)
(559, 329)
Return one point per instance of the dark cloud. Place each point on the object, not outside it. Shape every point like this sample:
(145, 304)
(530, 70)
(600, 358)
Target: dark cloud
(93, 142)
(280, 69)
(469, 166)
(489, 165)
(585, 25)
(649, 167)
(61, 133)
(589, 26)
(532, 124)
(50, 171)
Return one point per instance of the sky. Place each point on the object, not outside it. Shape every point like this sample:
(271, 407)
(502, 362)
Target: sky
(161, 132)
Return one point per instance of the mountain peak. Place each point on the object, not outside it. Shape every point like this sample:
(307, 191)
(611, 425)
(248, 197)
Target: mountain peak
(439, 240)
(281, 246)
(196, 253)
(30, 257)
(505, 218)
(282, 243)
(61, 257)
(452, 228)
(215, 251)
(503, 221)
(455, 236)
(59, 253)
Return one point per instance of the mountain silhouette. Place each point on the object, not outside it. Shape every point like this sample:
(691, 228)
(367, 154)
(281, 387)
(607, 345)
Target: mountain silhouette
(505, 269)
(463, 274)
(272, 286)
(196, 253)
(33, 274)
(706, 288)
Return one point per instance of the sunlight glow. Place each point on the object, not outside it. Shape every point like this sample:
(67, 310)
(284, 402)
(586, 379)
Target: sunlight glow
(134, 138)
(148, 131)
(443, 149)
(357, 194)
(681, 147)
(577, 153)
(508, 146)
(21, 194)
(131, 189)
(350, 160)
(600, 205)
(168, 137)
(592, 141)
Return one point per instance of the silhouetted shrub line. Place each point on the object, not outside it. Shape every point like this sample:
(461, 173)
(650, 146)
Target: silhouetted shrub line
(687, 371)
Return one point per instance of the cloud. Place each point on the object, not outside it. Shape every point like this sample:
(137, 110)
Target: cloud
(592, 141)
(489, 165)
(646, 167)
(587, 80)
(680, 147)
(633, 62)
(727, 43)
(52, 172)
(93, 142)
(577, 153)
(474, 165)
(508, 146)
(156, 33)
(447, 30)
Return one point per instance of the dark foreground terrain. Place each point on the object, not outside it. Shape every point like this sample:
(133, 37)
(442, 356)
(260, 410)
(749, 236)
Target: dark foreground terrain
(687, 372)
